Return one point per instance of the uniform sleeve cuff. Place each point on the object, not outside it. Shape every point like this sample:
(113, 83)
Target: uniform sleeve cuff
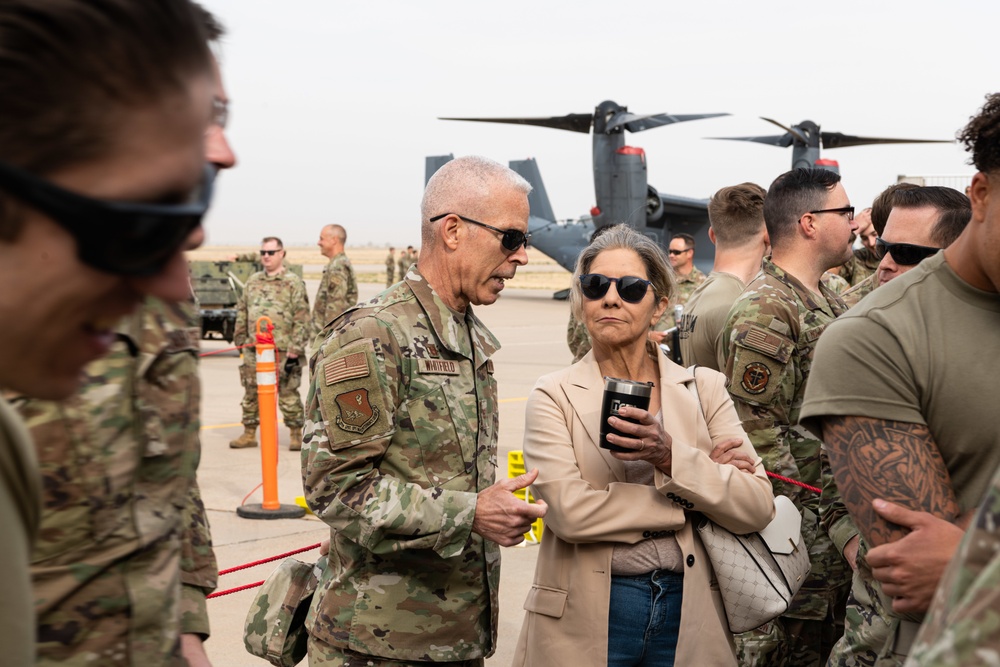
(456, 523)
(194, 611)
(842, 531)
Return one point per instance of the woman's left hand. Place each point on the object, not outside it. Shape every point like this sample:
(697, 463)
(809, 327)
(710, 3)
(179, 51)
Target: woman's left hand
(647, 440)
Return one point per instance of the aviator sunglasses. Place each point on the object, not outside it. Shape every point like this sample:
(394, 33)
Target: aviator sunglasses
(124, 238)
(630, 288)
(905, 254)
(511, 240)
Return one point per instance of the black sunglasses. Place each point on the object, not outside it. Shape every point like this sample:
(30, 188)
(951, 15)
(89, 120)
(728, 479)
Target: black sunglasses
(905, 254)
(512, 238)
(125, 238)
(678, 252)
(269, 253)
(630, 288)
(849, 210)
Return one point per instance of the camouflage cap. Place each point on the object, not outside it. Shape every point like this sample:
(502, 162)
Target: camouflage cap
(275, 626)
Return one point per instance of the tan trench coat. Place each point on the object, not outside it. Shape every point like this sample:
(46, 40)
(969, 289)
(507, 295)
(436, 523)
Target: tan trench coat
(591, 508)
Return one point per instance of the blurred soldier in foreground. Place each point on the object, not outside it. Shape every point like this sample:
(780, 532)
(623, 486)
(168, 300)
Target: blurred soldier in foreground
(736, 219)
(128, 519)
(338, 290)
(93, 113)
(401, 445)
(390, 265)
(771, 334)
(279, 294)
(906, 413)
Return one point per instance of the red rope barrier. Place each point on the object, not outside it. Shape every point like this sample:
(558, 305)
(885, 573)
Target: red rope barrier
(225, 349)
(793, 481)
(233, 590)
(268, 560)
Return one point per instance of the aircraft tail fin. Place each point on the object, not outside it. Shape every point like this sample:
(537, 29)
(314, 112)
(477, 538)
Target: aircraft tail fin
(434, 162)
(538, 199)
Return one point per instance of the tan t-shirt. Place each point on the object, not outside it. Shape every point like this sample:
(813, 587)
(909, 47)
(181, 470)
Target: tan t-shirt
(925, 349)
(704, 319)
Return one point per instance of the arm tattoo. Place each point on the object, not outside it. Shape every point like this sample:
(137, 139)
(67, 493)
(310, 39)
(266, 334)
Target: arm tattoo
(895, 461)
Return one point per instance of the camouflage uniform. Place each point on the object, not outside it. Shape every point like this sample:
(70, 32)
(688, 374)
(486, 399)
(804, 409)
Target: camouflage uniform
(771, 334)
(401, 436)
(282, 297)
(861, 290)
(577, 338)
(124, 557)
(961, 625)
(402, 265)
(338, 291)
(390, 265)
(835, 283)
(686, 285)
(20, 494)
(861, 265)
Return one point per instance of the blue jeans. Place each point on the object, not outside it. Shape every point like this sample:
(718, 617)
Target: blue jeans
(643, 619)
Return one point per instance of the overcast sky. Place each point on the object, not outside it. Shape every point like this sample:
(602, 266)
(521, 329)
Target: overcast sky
(335, 104)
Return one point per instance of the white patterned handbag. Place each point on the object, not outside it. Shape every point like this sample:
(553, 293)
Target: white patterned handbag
(759, 573)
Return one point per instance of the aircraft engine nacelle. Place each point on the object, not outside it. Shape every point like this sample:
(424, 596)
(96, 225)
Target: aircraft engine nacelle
(654, 207)
(622, 192)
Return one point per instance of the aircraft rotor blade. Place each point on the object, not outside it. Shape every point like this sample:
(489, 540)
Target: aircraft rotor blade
(648, 122)
(839, 140)
(780, 140)
(574, 122)
(793, 131)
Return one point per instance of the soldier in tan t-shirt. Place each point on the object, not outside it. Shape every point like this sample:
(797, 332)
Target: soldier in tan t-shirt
(736, 218)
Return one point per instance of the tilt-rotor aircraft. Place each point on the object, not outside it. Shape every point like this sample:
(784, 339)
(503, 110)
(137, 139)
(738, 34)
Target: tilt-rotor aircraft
(620, 186)
(806, 140)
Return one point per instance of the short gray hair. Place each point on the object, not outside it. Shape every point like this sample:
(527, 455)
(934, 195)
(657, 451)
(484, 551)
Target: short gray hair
(657, 265)
(464, 186)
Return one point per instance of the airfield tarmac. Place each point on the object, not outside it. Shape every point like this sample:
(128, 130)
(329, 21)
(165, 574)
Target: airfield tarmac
(531, 327)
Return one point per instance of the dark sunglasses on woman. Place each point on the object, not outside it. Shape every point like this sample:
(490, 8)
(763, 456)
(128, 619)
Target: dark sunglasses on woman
(630, 288)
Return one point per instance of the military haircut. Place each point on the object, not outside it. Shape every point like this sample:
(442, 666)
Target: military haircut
(792, 195)
(736, 214)
(463, 186)
(982, 136)
(953, 207)
(883, 203)
(274, 239)
(687, 238)
(338, 232)
(621, 236)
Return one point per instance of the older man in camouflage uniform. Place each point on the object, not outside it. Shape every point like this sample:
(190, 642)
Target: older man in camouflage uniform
(400, 454)
(771, 333)
(338, 290)
(280, 295)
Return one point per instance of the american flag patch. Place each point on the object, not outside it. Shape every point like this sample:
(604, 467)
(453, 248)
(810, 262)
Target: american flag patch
(762, 341)
(345, 368)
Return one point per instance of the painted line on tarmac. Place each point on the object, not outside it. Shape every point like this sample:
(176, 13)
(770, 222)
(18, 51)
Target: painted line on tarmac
(519, 399)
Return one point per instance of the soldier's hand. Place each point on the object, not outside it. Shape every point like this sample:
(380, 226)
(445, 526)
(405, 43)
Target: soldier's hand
(911, 567)
(193, 650)
(728, 452)
(501, 516)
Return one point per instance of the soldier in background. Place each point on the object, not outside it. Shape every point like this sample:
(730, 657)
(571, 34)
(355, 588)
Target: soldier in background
(401, 451)
(771, 333)
(863, 261)
(118, 457)
(921, 220)
(736, 227)
(681, 254)
(279, 294)
(338, 290)
(403, 263)
(390, 265)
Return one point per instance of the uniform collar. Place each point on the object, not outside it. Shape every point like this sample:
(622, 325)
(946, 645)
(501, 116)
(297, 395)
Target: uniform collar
(831, 302)
(449, 326)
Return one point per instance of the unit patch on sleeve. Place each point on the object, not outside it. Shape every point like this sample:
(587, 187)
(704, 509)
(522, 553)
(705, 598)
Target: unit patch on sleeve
(357, 414)
(755, 378)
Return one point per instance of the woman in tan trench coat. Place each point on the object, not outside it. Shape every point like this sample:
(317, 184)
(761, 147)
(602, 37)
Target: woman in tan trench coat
(619, 558)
